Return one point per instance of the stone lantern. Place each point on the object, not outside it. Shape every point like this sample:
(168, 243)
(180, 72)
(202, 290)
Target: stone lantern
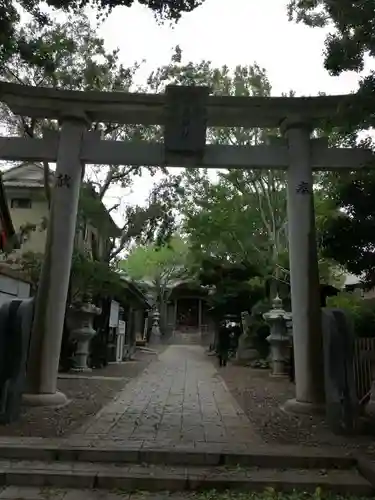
(155, 331)
(279, 338)
(81, 320)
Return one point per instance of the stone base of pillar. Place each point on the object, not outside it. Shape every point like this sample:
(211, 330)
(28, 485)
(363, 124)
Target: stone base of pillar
(56, 399)
(80, 370)
(303, 408)
(280, 375)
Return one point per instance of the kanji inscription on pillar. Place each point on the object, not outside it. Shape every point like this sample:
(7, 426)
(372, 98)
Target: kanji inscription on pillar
(303, 188)
(185, 121)
(63, 180)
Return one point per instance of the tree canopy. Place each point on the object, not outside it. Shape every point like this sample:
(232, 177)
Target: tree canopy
(159, 268)
(35, 51)
(353, 31)
(349, 44)
(236, 215)
(81, 62)
(349, 235)
(160, 265)
(241, 214)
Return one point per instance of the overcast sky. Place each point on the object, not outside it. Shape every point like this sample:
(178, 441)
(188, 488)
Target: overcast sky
(231, 32)
(227, 32)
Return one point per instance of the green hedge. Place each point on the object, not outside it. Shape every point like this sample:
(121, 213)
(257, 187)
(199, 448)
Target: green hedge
(361, 310)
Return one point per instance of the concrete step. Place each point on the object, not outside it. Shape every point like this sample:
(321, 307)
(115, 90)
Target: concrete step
(110, 452)
(134, 477)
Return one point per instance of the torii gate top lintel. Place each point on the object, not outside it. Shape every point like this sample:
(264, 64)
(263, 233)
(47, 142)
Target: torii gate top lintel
(149, 109)
(185, 112)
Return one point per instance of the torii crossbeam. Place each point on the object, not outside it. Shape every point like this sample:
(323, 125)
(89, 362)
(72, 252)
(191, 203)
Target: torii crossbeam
(142, 153)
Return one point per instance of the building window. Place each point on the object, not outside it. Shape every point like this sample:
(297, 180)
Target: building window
(20, 203)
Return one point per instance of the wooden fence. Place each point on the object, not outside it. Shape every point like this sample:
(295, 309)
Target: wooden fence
(364, 367)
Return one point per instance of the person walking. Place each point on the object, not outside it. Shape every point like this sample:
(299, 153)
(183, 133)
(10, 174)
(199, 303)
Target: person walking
(223, 343)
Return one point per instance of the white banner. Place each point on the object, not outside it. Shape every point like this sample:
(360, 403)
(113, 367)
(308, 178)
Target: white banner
(121, 327)
(113, 315)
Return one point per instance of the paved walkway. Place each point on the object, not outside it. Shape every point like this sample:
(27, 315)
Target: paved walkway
(180, 399)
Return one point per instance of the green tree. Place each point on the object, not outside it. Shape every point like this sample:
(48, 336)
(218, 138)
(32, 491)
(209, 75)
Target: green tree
(89, 278)
(80, 62)
(239, 215)
(351, 22)
(244, 213)
(243, 218)
(349, 236)
(233, 287)
(349, 44)
(227, 218)
(159, 267)
(35, 50)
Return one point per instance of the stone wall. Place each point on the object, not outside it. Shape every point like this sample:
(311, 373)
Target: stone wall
(12, 285)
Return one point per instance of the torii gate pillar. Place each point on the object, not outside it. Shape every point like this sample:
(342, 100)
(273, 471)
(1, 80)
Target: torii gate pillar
(52, 294)
(304, 273)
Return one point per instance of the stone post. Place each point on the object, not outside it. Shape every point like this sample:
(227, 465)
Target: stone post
(279, 339)
(53, 287)
(175, 315)
(304, 273)
(155, 331)
(145, 327)
(200, 315)
(138, 323)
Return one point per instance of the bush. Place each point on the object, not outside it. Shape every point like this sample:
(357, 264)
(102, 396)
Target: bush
(361, 310)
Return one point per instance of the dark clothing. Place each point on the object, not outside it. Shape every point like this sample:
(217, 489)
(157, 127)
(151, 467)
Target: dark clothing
(224, 338)
(223, 345)
(223, 358)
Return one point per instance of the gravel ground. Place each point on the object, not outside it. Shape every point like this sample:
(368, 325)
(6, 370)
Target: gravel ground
(87, 396)
(260, 396)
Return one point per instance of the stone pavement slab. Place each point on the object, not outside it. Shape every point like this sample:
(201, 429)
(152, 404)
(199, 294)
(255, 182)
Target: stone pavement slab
(180, 399)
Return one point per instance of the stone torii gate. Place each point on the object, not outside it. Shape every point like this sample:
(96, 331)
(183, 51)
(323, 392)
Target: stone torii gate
(185, 113)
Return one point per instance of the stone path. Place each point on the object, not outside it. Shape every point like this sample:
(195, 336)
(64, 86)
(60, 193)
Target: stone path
(180, 399)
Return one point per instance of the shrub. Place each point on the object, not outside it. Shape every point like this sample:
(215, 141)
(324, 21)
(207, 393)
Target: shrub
(361, 310)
